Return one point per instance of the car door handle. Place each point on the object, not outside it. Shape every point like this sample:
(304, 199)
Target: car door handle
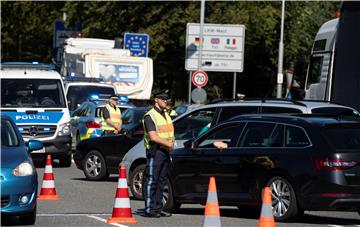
(218, 161)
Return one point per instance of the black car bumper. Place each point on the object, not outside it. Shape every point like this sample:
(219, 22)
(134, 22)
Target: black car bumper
(60, 147)
(333, 202)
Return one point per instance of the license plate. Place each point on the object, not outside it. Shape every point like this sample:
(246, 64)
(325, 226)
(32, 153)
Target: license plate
(41, 151)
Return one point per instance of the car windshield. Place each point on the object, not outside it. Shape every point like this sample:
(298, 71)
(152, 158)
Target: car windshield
(78, 94)
(132, 115)
(343, 137)
(8, 134)
(32, 93)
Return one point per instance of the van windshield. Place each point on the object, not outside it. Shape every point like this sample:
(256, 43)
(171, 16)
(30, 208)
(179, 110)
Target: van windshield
(32, 93)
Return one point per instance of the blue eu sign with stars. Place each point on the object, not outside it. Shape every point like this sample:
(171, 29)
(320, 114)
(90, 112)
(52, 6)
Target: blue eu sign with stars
(137, 44)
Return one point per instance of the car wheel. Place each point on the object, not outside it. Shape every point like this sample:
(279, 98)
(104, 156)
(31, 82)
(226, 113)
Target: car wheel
(28, 219)
(66, 162)
(94, 166)
(136, 179)
(169, 203)
(283, 199)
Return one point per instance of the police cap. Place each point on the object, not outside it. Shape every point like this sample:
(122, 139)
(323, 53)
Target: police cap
(163, 94)
(114, 97)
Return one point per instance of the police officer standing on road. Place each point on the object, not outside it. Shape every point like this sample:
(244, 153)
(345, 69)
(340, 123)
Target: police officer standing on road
(111, 117)
(158, 141)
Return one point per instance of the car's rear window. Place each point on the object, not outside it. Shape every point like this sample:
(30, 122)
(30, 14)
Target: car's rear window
(8, 134)
(343, 137)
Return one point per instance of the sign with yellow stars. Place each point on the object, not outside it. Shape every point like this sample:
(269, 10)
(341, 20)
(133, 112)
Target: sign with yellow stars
(138, 44)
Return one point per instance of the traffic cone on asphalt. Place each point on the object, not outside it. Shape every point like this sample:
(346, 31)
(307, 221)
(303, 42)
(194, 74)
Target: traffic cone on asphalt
(266, 216)
(48, 191)
(122, 210)
(212, 210)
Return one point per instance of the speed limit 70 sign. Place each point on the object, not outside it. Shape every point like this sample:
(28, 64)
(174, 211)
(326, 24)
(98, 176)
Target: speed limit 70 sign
(199, 78)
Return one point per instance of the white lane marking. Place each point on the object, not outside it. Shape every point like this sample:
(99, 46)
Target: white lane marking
(74, 214)
(335, 225)
(104, 220)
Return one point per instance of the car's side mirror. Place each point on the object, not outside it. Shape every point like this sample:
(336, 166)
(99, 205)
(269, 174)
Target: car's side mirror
(34, 145)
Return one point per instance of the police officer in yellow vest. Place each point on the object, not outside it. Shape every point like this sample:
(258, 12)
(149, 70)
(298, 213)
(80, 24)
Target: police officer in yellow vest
(111, 117)
(158, 141)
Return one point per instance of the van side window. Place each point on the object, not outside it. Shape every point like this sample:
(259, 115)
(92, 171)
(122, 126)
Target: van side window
(229, 112)
(257, 134)
(194, 124)
(295, 137)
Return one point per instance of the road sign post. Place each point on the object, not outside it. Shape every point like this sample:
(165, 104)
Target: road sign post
(199, 78)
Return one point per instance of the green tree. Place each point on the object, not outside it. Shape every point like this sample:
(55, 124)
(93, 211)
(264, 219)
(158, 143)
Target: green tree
(27, 35)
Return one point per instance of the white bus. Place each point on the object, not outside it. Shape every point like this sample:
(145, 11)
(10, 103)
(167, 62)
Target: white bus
(334, 70)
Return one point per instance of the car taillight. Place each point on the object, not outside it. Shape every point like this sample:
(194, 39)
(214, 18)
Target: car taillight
(330, 163)
(92, 124)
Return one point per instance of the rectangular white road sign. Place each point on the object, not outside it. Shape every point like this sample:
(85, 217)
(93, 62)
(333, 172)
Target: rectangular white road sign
(223, 47)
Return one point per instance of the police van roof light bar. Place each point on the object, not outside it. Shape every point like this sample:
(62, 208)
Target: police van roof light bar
(27, 65)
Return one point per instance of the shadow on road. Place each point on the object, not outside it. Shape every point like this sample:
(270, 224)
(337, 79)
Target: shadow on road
(109, 179)
(317, 219)
(253, 213)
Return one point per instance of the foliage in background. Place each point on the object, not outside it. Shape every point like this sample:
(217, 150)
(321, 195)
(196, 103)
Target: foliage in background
(27, 28)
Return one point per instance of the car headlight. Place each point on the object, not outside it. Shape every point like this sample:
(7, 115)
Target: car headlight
(24, 169)
(64, 129)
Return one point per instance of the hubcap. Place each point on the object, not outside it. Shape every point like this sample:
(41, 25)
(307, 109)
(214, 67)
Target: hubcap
(165, 194)
(138, 179)
(93, 165)
(280, 194)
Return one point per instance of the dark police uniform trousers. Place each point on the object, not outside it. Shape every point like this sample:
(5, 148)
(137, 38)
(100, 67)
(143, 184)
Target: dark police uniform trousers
(157, 166)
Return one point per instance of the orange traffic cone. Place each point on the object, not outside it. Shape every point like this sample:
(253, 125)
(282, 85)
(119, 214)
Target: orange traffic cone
(266, 216)
(122, 210)
(212, 210)
(48, 191)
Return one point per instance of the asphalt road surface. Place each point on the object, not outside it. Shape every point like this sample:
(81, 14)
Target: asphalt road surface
(86, 203)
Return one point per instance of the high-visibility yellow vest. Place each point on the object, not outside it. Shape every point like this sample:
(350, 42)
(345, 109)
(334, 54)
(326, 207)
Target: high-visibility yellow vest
(164, 127)
(115, 116)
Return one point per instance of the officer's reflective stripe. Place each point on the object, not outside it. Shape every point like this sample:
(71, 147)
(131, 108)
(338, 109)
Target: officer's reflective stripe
(48, 169)
(48, 184)
(212, 221)
(122, 183)
(165, 128)
(122, 203)
(266, 211)
(148, 188)
(212, 197)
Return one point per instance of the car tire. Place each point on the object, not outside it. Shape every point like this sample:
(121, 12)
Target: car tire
(136, 181)
(94, 166)
(66, 162)
(28, 219)
(284, 199)
(169, 203)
